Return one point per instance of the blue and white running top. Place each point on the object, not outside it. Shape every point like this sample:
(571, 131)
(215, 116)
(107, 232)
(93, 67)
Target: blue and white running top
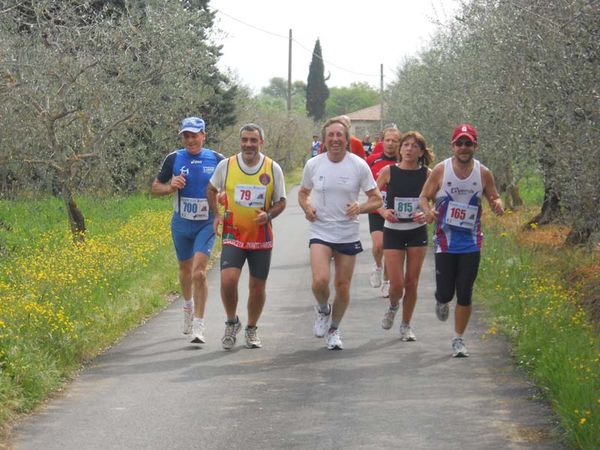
(458, 203)
(190, 202)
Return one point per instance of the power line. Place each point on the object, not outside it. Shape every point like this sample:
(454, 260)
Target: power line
(335, 65)
(250, 25)
(297, 42)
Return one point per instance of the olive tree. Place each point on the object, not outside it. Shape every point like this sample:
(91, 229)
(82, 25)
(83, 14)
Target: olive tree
(526, 74)
(90, 93)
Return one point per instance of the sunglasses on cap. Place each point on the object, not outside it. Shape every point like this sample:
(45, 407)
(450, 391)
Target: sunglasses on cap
(464, 143)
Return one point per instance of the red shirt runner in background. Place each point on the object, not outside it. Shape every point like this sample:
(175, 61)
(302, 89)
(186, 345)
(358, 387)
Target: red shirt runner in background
(377, 148)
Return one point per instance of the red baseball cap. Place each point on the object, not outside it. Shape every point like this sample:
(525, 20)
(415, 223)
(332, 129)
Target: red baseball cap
(464, 129)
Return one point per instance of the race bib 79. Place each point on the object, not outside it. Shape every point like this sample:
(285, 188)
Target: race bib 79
(250, 195)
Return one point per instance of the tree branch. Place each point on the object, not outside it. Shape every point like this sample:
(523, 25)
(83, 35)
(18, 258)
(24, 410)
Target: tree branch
(84, 156)
(64, 113)
(41, 161)
(6, 10)
(102, 135)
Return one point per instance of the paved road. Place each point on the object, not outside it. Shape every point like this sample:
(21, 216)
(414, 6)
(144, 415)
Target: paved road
(154, 390)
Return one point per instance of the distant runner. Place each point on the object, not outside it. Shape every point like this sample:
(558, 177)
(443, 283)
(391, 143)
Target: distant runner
(315, 146)
(377, 162)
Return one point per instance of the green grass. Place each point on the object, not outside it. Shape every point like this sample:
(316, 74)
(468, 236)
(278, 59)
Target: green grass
(532, 188)
(24, 222)
(293, 177)
(63, 303)
(529, 299)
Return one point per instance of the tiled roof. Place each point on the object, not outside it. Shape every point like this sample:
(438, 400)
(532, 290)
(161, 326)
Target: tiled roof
(370, 113)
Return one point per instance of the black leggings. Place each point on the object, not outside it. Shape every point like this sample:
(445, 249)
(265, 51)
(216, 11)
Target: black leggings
(456, 272)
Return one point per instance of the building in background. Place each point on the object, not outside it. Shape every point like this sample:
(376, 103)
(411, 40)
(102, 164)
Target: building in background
(366, 121)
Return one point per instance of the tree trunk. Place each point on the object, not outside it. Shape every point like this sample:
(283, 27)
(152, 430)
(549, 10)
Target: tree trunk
(550, 210)
(578, 236)
(551, 205)
(76, 219)
(505, 181)
(513, 197)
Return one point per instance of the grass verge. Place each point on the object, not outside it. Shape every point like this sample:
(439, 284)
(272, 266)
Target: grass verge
(62, 303)
(293, 177)
(535, 293)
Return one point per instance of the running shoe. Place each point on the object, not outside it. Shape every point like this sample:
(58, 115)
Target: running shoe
(198, 332)
(388, 318)
(459, 349)
(442, 310)
(321, 323)
(385, 289)
(252, 339)
(231, 331)
(188, 317)
(376, 277)
(334, 342)
(406, 333)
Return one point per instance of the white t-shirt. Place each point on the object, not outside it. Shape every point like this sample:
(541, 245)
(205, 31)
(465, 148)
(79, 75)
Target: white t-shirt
(220, 173)
(334, 185)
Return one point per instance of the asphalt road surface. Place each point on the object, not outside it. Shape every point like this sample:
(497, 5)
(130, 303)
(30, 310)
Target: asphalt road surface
(155, 390)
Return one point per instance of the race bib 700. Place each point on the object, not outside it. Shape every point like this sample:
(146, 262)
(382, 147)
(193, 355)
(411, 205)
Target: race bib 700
(194, 208)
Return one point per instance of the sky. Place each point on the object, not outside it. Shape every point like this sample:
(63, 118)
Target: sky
(356, 37)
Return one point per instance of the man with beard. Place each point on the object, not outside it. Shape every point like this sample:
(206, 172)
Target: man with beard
(456, 186)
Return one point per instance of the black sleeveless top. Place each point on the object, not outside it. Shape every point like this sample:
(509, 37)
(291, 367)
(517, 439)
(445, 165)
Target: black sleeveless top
(404, 183)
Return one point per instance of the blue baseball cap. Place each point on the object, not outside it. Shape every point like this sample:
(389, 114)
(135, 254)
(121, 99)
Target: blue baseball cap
(193, 124)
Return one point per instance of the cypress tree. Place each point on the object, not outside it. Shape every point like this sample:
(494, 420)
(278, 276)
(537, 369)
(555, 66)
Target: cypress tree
(317, 91)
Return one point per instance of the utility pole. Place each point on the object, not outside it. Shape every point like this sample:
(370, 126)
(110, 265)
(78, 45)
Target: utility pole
(289, 89)
(381, 98)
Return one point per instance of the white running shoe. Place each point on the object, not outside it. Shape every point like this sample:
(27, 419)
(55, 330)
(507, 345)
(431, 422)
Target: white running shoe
(197, 332)
(376, 277)
(388, 318)
(459, 349)
(188, 317)
(334, 342)
(321, 322)
(231, 331)
(442, 310)
(252, 339)
(406, 333)
(385, 289)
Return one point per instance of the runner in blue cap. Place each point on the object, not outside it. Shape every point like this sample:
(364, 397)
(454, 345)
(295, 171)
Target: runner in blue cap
(185, 174)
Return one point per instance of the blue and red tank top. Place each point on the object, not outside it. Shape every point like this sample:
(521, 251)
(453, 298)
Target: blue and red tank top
(458, 204)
